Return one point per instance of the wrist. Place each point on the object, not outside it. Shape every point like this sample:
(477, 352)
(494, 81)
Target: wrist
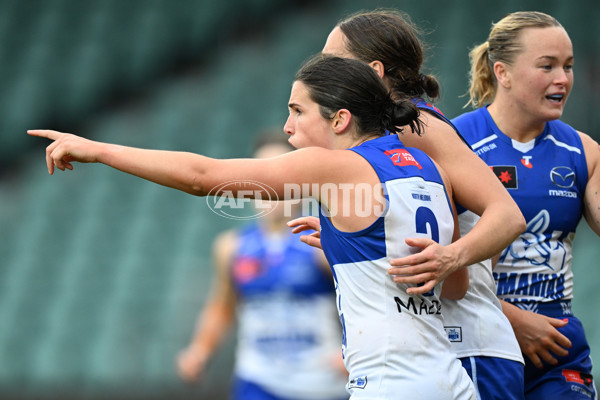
(457, 256)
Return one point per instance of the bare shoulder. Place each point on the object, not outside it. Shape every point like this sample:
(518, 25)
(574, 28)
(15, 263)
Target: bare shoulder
(591, 149)
(587, 140)
(333, 166)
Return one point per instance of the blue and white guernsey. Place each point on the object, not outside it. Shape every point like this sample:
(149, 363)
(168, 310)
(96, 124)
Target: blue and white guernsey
(475, 324)
(547, 179)
(288, 335)
(394, 345)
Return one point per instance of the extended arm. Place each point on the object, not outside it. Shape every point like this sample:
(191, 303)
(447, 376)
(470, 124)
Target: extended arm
(188, 172)
(280, 177)
(216, 318)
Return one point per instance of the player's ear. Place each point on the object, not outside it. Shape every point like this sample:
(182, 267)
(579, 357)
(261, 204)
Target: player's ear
(341, 121)
(502, 74)
(378, 67)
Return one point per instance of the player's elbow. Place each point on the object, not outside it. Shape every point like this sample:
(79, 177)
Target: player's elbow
(517, 222)
(196, 185)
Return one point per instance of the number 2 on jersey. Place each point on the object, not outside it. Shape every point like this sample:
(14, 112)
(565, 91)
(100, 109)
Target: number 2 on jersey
(424, 217)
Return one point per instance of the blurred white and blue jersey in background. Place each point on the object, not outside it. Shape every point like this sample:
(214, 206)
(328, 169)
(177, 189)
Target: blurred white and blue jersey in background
(288, 335)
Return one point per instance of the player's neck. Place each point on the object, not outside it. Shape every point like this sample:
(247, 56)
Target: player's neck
(515, 123)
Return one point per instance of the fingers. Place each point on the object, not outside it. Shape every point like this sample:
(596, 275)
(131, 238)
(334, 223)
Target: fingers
(413, 259)
(301, 228)
(53, 135)
(49, 161)
(547, 357)
(311, 240)
(548, 344)
(533, 357)
(415, 290)
(562, 342)
(54, 158)
(418, 242)
(414, 264)
(411, 270)
(558, 323)
(306, 223)
(417, 258)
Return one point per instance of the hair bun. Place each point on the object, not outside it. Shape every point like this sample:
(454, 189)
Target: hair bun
(401, 113)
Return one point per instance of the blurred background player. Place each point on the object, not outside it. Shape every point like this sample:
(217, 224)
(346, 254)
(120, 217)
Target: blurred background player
(288, 337)
(521, 78)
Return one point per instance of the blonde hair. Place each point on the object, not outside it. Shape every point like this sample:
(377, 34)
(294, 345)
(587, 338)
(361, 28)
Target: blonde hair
(503, 45)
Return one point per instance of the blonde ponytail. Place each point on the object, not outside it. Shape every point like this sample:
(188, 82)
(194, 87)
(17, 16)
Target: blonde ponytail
(482, 83)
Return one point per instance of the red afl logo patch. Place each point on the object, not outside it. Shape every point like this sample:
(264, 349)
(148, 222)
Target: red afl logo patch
(402, 157)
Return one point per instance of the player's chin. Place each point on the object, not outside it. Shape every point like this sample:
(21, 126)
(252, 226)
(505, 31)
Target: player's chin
(554, 110)
(555, 114)
(292, 140)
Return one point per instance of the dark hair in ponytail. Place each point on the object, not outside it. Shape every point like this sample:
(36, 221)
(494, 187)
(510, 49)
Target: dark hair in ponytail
(335, 83)
(391, 37)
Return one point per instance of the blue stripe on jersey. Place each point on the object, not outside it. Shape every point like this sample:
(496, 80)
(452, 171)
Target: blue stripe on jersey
(392, 166)
(345, 247)
(369, 243)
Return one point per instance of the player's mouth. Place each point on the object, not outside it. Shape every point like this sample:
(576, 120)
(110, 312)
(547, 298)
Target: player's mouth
(556, 98)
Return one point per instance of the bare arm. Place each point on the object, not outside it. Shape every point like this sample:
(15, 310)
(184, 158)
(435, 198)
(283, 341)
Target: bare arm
(340, 170)
(218, 314)
(188, 172)
(591, 209)
(455, 285)
(475, 188)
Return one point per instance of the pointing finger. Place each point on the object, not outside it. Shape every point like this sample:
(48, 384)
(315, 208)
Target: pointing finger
(53, 135)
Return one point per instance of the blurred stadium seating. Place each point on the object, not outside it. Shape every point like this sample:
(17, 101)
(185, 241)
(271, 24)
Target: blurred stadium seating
(102, 274)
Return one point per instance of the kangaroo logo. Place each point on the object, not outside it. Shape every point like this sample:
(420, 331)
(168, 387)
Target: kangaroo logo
(535, 247)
